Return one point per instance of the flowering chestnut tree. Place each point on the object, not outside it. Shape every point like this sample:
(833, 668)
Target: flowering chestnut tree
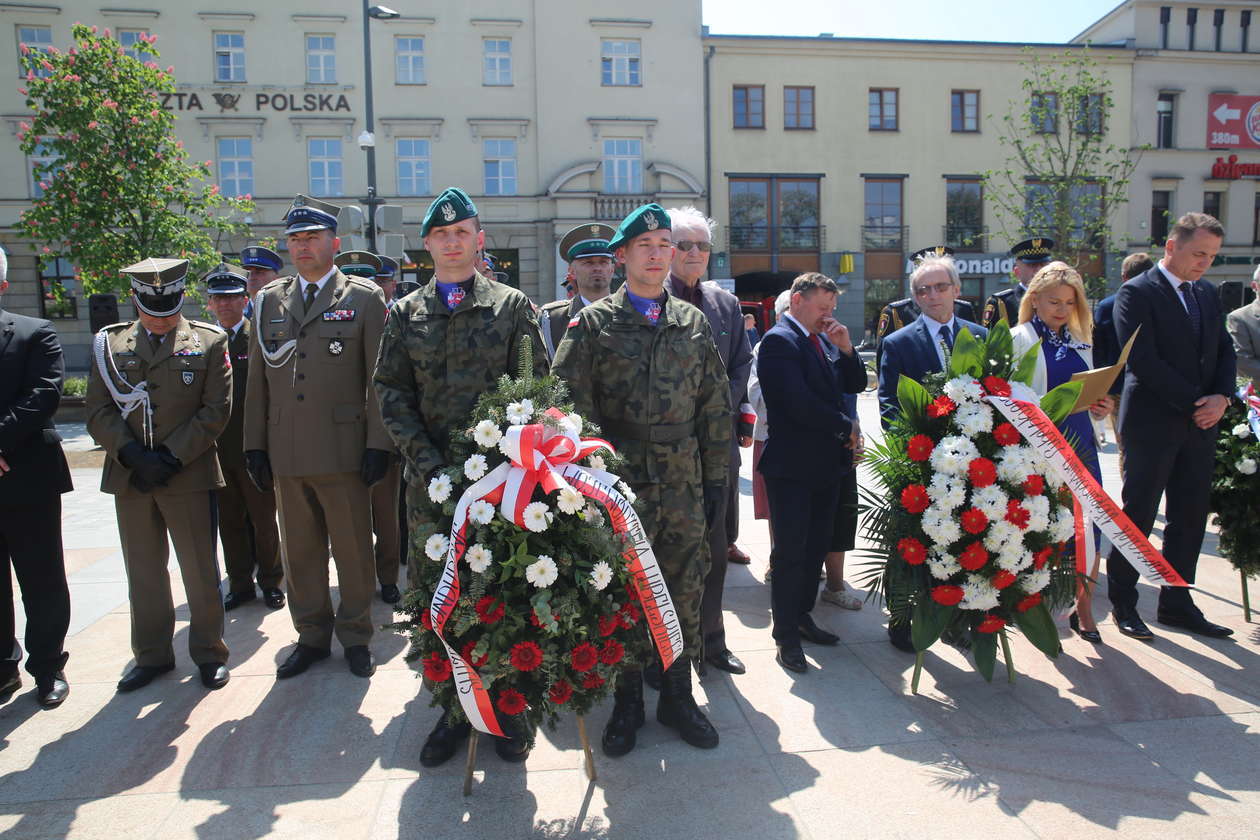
(115, 184)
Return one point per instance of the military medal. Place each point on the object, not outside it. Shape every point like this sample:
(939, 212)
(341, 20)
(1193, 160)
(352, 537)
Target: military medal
(454, 297)
(335, 347)
(187, 376)
(339, 315)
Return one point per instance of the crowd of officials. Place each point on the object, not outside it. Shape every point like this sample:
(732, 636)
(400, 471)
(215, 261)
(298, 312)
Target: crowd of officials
(304, 423)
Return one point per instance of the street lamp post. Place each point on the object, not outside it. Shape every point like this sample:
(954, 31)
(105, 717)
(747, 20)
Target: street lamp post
(367, 140)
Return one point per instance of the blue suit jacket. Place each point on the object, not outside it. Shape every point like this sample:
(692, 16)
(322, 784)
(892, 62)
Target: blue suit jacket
(804, 399)
(911, 351)
(1106, 343)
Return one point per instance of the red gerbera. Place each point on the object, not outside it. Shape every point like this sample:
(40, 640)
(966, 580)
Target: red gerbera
(467, 653)
(632, 612)
(526, 656)
(612, 652)
(511, 701)
(1006, 434)
(996, 386)
(941, 406)
(426, 620)
(489, 610)
(584, 656)
(982, 472)
(974, 521)
(560, 692)
(1029, 602)
(991, 624)
(592, 680)
(919, 448)
(912, 551)
(608, 624)
(632, 592)
(947, 595)
(973, 557)
(915, 498)
(1033, 485)
(1040, 558)
(437, 668)
(1002, 579)
(1017, 514)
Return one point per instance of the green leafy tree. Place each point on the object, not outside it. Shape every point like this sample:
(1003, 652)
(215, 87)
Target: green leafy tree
(115, 183)
(1063, 177)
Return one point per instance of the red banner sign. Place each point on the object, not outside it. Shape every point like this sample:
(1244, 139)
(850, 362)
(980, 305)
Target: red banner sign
(1233, 122)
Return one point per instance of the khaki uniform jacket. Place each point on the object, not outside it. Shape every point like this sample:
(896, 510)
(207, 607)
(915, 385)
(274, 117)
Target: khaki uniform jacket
(315, 414)
(554, 319)
(232, 441)
(1244, 327)
(190, 386)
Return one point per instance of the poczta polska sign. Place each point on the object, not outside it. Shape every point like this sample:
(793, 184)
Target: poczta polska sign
(263, 101)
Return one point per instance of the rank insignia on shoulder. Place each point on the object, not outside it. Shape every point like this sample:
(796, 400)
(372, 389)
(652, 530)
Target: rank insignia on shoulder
(339, 315)
(335, 347)
(187, 376)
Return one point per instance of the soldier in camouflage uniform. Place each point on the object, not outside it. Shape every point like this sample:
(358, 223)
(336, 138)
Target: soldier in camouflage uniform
(443, 347)
(643, 365)
(1030, 255)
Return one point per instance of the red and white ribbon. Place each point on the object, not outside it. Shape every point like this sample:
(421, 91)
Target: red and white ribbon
(1252, 403)
(1095, 504)
(544, 455)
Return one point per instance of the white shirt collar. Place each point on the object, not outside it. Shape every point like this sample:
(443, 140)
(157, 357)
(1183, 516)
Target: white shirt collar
(934, 326)
(319, 285)
(788, 315)
(1172, 278)
(585, 302)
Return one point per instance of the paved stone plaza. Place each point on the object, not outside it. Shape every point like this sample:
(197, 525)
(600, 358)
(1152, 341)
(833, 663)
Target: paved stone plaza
(1127, 739)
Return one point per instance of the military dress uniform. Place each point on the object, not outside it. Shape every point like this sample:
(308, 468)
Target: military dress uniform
(1004, 305)
(157, 405)
(589, 240)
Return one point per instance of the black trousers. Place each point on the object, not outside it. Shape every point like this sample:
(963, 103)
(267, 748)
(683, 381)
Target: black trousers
(719, 537)
(30, 540)
(801, 516)
(1178, 467)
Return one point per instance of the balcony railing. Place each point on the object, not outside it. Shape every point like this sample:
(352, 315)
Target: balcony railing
(885, 237)
(609, 208)
(776, 237)
(965, 237)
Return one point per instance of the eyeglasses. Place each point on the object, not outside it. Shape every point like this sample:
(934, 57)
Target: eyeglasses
(687, 245)
(939, 288)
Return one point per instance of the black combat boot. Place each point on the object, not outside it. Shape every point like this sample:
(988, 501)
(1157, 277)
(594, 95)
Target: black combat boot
(518, 740)
(620, 733)
(677, 708)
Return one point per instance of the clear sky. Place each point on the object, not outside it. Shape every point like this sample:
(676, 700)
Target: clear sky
(1050, 21)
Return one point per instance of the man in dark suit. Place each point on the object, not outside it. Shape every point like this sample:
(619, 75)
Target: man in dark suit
(1177, 385)
(809, 449)
(33, 475)
(899, 313)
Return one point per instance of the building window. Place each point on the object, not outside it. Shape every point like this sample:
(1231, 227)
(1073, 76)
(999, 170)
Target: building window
(881, 217)
(1161, 200)
(1044, 113)
(1218, 24)
(129, 38)
(413, 166)
(1165, 15)
(499, 161)
(409, 60)
(57, 289)
(797, 214)
(623, 166)
(1245, 23)
(619, 63)
(1255, 237)
(964, 215)
(236, 166)
(964, 111)
(41, 175)
(779, 215)
(798, 107)
(882, 109)
(321, 60)
(35, 38)
(1089, 114)
(324, 166)
(749, 103)
(498, 61)
(1165, 109)
(750, 214)
(1081, 202)
(229, 56)
(1214, 205)
(1192, 17)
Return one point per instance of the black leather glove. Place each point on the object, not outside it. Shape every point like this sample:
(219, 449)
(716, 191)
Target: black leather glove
(168, 465)
(714, 498)
(258, 465)
(148, 469)
(131, 455)
(139, 483)
(374, 465)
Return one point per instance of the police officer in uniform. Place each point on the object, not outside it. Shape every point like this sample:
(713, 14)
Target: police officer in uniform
(263, 265)
(467, 329)
(897, 314)
(247, 515)
(311, 422)
(1030, 255)
(585, 249)
(159, 395)
(643, 365)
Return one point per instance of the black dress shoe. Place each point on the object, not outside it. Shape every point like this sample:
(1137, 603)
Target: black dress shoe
(299, 660)
(726, 661)
(440, 746)
(362, 663)
(52, 690)
(234, 599)
(141, 675)
(792, 658)
(9, 687)
(899, 637)
(213, 674)
(273, 598)
(1130, 624)
(1088, 635)
(1195, 624)
(813, 633)
(390, 593)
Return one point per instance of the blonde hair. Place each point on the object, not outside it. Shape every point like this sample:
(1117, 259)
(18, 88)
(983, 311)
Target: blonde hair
(1081, 322)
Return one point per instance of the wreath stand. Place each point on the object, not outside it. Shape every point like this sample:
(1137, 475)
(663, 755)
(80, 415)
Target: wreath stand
(1246, 597)
(1006, 660)
(474, 736)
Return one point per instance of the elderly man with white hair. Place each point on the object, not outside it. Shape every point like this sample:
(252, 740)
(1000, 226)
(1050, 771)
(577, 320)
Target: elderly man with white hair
(1244, 328)
(693, 237)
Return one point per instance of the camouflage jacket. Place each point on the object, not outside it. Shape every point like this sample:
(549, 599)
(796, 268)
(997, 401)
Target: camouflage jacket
(659, 393)
(435, 363)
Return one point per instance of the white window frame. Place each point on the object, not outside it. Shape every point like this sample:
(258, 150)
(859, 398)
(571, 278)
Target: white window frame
(620, 62)
(129, 38)
(236, 164)
(324, 174)
(410, 62)
(623, 166)
(47, 156)
(504, 179)
(235, 54)
(496, 62)
(419, 177)
(22, 33)
(321, 58)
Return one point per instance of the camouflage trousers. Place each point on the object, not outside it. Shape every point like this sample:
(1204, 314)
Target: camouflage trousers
(673, 519)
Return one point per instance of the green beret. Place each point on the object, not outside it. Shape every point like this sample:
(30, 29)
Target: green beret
(451, 206)
(644, 219)
(586, 241)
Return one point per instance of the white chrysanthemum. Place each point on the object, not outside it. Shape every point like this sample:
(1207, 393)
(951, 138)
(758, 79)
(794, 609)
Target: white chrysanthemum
(505, 445)
(1035, 581)
(479, 558)
(625, 491)
(978, 594)
(974, 418)
(1246, 466)
(991, 501)
(947, 492)
(537, 516)
(942, 565)
(440, 488)
(570, 500)
(475, 467)
(571, 423)
(592, 515)
(596, 462)
(1038, 513)
(601, 575)
(1001, 534)
(481, 512)
(1242, 430)
(543, 572)
(941, 527)
(1015, 464)
(487, 434)
(962, 389)
(1063, 527)
(1014, 558)
(520, 412)
(435, 547)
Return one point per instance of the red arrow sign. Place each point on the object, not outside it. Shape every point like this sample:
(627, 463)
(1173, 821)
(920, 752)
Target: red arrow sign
(1233, 122)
